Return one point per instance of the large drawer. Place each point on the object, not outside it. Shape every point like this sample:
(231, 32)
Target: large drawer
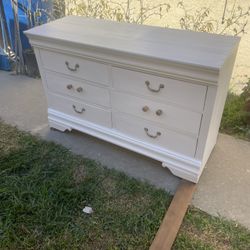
(75, 66)
(188, 95)
(77, 88)
(80, 110)
(170, 116)
(146, 131)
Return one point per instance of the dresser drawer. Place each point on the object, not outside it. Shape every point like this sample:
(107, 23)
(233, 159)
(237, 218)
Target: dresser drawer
(168, 115)
(146, 131)
(77, 88)
(191, 96)
(80, 110)
(75, 66)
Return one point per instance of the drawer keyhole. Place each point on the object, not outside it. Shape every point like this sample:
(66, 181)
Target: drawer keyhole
(72, 69)
(150, 135)
(161, 86)
(78, 111)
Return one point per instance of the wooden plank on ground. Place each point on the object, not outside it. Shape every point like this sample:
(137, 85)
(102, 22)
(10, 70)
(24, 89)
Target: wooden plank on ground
(171, 223)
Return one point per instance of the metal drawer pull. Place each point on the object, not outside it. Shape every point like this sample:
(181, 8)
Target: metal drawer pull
(70, 86)
(152, 136)
(72, 69)
(161, 86)
(79, 89)
(158, 112)
(77, 111)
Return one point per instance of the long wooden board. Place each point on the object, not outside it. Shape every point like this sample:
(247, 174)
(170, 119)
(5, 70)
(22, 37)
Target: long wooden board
(171, 223)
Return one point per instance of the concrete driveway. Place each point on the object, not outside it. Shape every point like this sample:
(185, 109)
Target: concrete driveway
(223, 189)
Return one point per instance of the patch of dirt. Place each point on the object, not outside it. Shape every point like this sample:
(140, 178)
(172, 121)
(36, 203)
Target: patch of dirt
(79, 174)
(209, 237)
(9, 139)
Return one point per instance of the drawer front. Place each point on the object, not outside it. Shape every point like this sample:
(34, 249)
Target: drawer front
(191, 96)
(169, 116)
(80, 110)
(75, 66)
(80, 89)
(146, 131)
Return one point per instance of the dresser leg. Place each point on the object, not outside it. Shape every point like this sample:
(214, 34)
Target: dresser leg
(181, 172)
(59, 126)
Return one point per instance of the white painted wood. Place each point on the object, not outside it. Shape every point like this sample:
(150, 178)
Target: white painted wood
(115, 60)
(80, 89)
(80, 110)
(187, 47)
(188, 167)
(88, 70)
(175, 91)
(172, 117)
(214, 108)
(135, 128)
(178, 71)
(59, 126)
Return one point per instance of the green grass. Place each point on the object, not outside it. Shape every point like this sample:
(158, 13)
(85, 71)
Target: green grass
(234, 119)
(43, 188)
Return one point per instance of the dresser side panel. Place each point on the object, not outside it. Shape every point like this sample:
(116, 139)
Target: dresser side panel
(204, 151)
(206, 121)
(41, 70)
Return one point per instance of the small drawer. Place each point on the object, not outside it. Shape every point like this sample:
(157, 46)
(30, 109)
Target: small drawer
(148, 132)
(170, 116)
(80, 89)
(80, 110)
(188, 95)
(75, 66)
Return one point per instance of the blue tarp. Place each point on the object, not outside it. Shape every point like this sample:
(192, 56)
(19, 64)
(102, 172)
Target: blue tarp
(23, 22)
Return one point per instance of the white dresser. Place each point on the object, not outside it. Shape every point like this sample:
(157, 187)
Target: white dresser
(159, 92)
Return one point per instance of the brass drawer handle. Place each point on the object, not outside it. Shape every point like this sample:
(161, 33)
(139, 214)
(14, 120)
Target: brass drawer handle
(79, 89)
(152, 136)
(77, 111)
(161, 86)
(158, 112)
(70, 86)
(72, 69)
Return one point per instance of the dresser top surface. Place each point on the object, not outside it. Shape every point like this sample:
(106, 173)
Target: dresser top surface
(172, 45)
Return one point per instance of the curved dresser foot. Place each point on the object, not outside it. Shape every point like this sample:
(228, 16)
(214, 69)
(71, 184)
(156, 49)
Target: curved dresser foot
(59, 126)
(186, 174)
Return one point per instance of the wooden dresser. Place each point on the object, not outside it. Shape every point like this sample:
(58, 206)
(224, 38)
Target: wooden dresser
(156, 91)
